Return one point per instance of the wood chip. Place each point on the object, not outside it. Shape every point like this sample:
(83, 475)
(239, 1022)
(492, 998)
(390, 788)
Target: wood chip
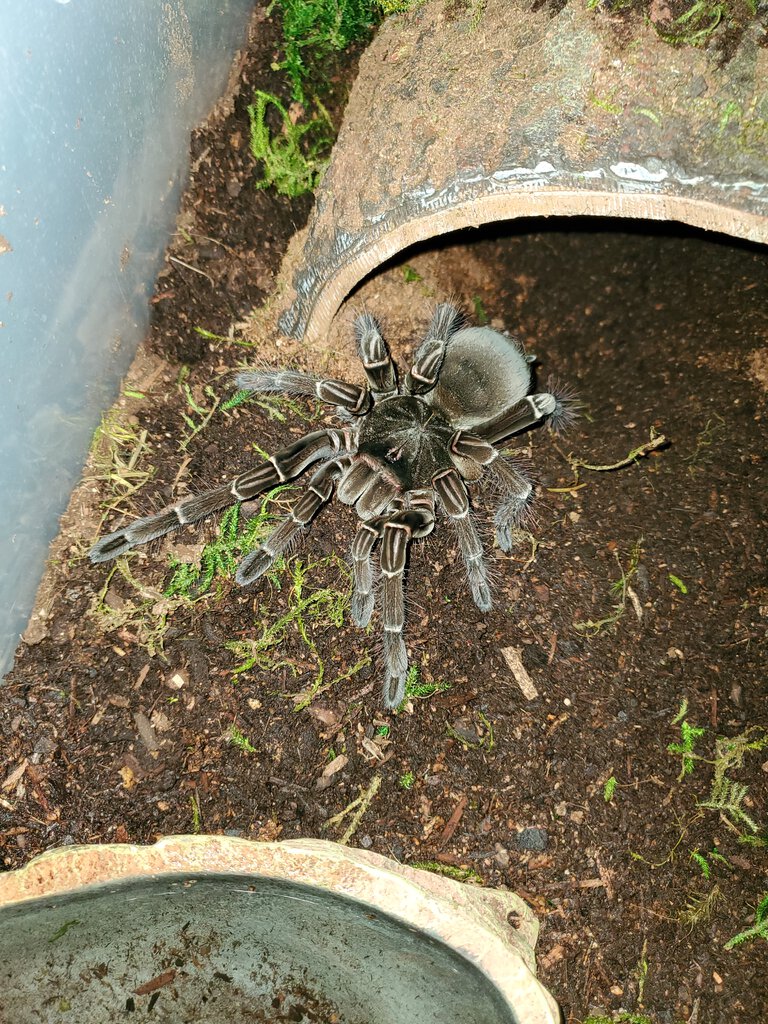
(15, 775)
(449, 858)
(551, 958)
(454, 820)
(99, 715)
(147, 733)
(158, 982)
(177, 681)
(635, 603)
(328, 717)
(141, 677)
(512, 656)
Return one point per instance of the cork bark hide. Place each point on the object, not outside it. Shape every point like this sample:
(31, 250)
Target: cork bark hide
(455, 122)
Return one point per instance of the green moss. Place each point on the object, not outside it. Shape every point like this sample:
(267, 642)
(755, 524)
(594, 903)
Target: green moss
(622, 1018)
(457, 874)
(220, 558)
(758, 930)
(313, 31)
(293, 160)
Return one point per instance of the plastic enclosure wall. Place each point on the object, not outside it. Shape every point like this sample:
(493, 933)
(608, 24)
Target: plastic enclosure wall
(97, 98)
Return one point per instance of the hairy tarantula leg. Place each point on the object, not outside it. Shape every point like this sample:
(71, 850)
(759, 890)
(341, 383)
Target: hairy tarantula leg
(172, 517)
(431, 353)
(365, 540)
(318, 492)
(375, 357)
(397, 534)
(362, 547)
(453, 494)
(367, 488)
(521, 416)
(377, 497)
(510, 513)
(283, 465)
(468, 446)
(517, 487)
(350, 397)
(470, 454)
(354, 482)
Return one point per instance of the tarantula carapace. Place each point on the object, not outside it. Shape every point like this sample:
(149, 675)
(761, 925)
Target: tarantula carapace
(402, 444)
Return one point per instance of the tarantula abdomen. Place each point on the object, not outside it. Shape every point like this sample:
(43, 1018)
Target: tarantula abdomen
(401, 447)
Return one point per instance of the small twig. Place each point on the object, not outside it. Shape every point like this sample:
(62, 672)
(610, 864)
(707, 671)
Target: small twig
(359, 806)
(534, 549)
(196, 270)
(655, 441)
(180, 472)
(223, 245)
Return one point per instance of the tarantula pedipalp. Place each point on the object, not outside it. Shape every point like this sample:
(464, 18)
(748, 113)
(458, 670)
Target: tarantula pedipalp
(402, 444)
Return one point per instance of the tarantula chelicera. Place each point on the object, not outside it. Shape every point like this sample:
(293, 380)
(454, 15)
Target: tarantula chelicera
(402, 444)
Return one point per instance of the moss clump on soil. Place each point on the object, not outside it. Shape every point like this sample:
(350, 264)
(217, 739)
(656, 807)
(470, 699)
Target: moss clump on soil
(313, 32)
(758, 930)
(220, 558)
(295, 156)
(294, 153)
(292, 160)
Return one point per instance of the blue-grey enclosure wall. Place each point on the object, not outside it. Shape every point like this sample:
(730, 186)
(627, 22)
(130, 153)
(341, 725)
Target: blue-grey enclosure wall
(97, 98)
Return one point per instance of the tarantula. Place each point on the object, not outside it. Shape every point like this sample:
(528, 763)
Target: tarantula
(401, 444)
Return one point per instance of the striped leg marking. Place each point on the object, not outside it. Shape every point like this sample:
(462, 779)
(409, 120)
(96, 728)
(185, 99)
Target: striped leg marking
(453, 495)
(398, 532)
(375, 357)
(521, 416)
(284, 465)
(319, 491)
(266, 380)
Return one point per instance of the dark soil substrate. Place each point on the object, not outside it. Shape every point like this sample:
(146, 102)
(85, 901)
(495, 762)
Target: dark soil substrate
(657, 328)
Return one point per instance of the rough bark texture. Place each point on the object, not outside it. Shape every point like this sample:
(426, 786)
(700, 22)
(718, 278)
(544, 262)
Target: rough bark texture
(454, 122)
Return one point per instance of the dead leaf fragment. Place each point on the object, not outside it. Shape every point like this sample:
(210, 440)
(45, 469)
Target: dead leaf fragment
(160, 721)
(326, 778)
(551, 958)
(326, 716)
(375, 749)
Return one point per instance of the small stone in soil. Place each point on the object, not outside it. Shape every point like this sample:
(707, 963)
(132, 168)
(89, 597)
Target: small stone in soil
(535, 839)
